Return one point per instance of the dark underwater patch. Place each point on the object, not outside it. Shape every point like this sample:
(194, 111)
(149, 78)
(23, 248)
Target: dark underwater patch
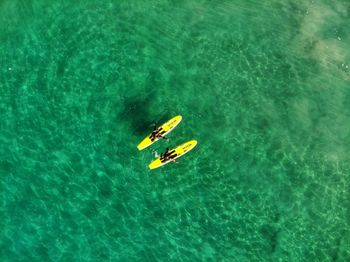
(136, 112)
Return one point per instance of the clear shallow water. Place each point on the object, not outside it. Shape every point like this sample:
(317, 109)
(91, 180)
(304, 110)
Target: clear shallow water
(263, 87)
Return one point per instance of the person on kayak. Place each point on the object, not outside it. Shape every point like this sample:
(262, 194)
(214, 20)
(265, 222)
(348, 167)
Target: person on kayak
(167, 155)
(156, 133)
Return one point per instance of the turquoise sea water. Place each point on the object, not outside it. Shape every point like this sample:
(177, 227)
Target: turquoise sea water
(262, 85)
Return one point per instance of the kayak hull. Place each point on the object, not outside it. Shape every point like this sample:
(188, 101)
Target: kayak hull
(177, 152)
(167, 127)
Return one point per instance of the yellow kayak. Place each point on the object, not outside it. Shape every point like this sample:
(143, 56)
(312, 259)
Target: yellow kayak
(174, 153)
(164, 129)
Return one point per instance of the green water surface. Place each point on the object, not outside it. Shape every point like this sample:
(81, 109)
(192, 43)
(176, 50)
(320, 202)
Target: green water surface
(264, 86)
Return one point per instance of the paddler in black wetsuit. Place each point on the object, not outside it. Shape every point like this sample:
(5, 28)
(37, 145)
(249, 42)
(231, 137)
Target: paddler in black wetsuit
(156, 133)
(167, 155)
